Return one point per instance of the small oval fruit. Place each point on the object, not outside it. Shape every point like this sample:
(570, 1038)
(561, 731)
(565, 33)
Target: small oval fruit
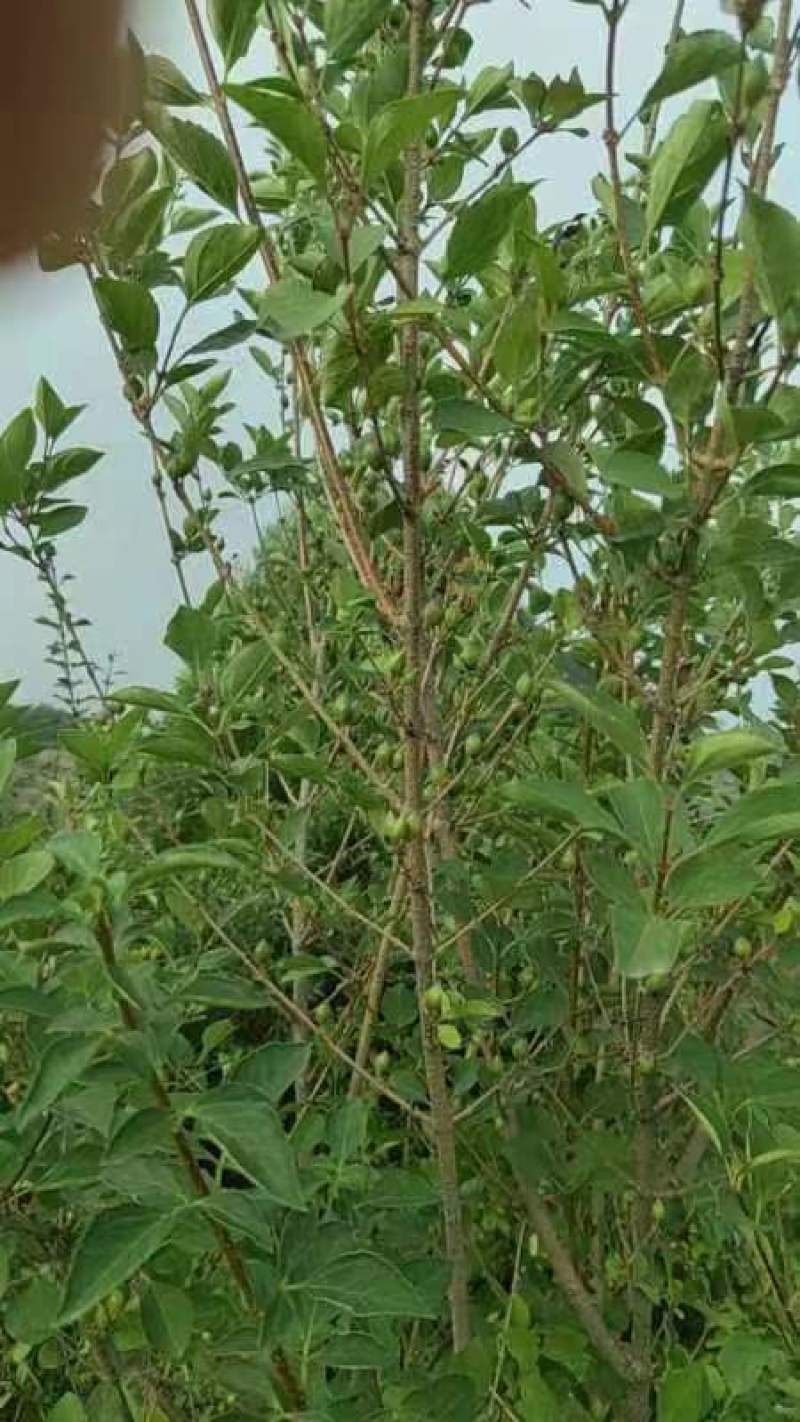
(523, 686)
(322, 1013)
(434, 997)
(646, 1064)
(509, 141)
(658, 1210)
(743, 949)
(473, 745)
(381, 1064)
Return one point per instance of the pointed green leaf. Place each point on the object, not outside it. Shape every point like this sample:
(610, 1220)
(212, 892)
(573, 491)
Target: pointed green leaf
(25, 872)
(480, 228)
(768, 814)
(631, 469)
(79, 851)
(644, 945)
(193, 636)
(274, 1068)
(198, 153)
(686, 142)
(165, 84)
(779, 481)
(233, 23)
(167, 1318)
(297, 309)
(130, 311)
(69, 1408)
(367, 1286)
(619, 724)
(250, 1131)
(693, 58)
(288, 120)
(402, 124)
(563, 801)
(724, 750)
(150, 699)
(349, 24)
(771, 237)
(17, 444)
(684, 1395)
(115, 1246)
(61, 1064)
(214, 257)
(8, 756)
(469, 419)
(710, 877)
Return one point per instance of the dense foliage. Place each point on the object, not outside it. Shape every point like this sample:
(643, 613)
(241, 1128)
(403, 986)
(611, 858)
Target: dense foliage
(400, 1014)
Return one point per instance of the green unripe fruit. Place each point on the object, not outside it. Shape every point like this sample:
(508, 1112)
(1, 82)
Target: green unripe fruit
(398, 758)
(523, 686)
(519, 1049)
(383, 755)
(434, 997)
(381, 1063)
(658, 1210)
(322, 1013)
(743, 949)
(509, 141)
(528, 976)
(470, 654)
(495, 1065)
(646, 1064)
(452, 615)
(434, 615)
(341, 708)
(659, 982)
(393, 827)
(473, 745)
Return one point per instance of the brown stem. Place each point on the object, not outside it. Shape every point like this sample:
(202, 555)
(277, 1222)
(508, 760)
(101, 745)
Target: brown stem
(336, 486)
(372, 1004)
(611, 139)
(416, 855)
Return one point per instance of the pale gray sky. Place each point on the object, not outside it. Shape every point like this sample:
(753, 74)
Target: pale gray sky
(124, 581)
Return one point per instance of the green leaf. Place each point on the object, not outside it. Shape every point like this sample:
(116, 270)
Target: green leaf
(214, 257)
(53, 415)
(8, 756)
(354, 1352)
(250, 1131)
(567, 462)
(771, 237)
(248, 670)
(468, 419)
(114, 1247)
(138, 226)
(274, 1068)
(617, 723)
(190, 858)
(685, 142)
(724, 750)
(288, 120)
(516, 350)
(31, 1316)
(233, 23)
(167, 1318)
(24, 873)
(296, 308)
(79, 851)
(768, 814)
(130, 311)
(402, 124)
(69, 1408)
(480, 228)
(710, 877)
(538, 1403)
(693, 58)
(166, 84)
(644, 945)
(60, 520)
(150, 699)
(684, 1395)
(367, 1286)
(639, 807)
(349, 24)
(17, 444)
(192, 635)
(631, 469)
(197, 153)
(70, 464)
(742, 1359)
(612, 879)
(61, 1064)
(563, 801)
(778, 481)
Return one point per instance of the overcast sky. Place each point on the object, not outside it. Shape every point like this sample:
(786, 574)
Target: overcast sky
(123, 580)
